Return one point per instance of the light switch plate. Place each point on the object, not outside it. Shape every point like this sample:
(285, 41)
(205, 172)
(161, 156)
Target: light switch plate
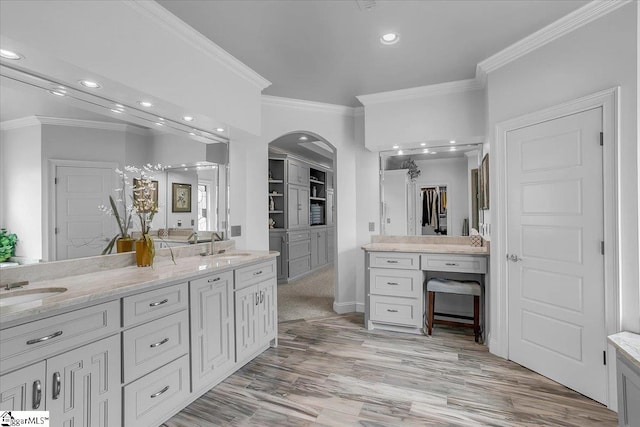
(372, 226)
(236, 230)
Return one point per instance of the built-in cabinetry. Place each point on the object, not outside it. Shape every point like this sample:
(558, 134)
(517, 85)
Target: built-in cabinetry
(394, 285)
(627, 345)
(75, 374)
(306, 211)
(137, 360)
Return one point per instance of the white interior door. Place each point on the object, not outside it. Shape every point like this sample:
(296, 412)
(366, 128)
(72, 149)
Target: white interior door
(81, 229)
(555, 228)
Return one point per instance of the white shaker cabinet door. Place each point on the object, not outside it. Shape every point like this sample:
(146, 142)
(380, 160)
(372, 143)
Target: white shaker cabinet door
(83, 385)
(247, 342)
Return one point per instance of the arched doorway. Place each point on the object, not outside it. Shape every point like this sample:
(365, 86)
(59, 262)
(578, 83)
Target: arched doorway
(302, 223)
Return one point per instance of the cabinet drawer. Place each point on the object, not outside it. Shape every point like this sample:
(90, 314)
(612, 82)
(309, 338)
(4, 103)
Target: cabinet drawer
(299, 266)
(253, 274)
(406, 261)
(399, 311)
(298, 235)
(149, 346)
(299, 249)
(151, 399)
(154, 304)
(457, 263)
(394, 282)
(38, 340)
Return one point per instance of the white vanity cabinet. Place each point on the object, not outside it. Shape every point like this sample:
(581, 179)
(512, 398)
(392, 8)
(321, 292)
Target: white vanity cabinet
(395, 296)
(212, 329)
(78, 387)
(255, 309)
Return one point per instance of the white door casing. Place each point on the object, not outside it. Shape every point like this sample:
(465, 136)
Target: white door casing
(499, 290)
(555, 229)
(79, 228)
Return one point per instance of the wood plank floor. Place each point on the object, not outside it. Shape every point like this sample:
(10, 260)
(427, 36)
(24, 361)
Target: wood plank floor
(333, 372)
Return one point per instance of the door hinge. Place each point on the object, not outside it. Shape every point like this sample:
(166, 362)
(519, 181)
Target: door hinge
(604, 357)
(602, 247)
(601, 138)
(55, 230)
(55, 180)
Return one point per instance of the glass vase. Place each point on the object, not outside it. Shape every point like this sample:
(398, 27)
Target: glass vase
(145, 251)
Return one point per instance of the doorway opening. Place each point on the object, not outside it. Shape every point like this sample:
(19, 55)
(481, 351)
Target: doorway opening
(302, 223)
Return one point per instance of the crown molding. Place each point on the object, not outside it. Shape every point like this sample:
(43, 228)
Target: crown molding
(300, 104)
(574, 20)
(421, 92)
(358, 112)
(187, 33)
(22, 122)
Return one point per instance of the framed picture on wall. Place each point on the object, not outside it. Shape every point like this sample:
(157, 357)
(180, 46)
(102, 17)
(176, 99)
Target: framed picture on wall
(484, 183)
(143, 191)
(181, 197)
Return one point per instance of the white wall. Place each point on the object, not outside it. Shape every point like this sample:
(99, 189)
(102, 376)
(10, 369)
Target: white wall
(453, 173)
(600, 55)
(22, 188)
(458, 116)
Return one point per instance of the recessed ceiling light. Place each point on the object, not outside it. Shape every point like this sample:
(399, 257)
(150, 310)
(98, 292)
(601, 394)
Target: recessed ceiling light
(115, 110)
(395, 146)
(452, 149)
(426, 150)
(399, 151)
(192, 134)
(303, 138)
(422, 144)
(452, 142)
(119, 105)
(9, 54)
(219, 129)
(389, 38)
(159, 124)
(183, 165)
(56, 93)
(161, 119)
(146, 104)
(187, 118)
(90, 84)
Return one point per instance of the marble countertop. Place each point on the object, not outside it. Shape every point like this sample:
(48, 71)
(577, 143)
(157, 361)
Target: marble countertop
(434, 248)
(628, 344)
(107, 285)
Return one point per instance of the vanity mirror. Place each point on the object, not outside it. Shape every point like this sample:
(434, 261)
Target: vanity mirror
(59, 149)
(432, 190)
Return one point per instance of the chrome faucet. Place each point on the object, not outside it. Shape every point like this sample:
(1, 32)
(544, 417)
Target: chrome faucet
(16, 285)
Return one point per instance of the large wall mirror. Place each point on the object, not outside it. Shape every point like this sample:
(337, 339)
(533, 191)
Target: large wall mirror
(431, 190)
(59, 151)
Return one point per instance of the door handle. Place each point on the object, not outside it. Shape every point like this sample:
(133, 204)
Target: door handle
(261, 296)
(257, 295)
(514, 258)
(56, 385)
(37, 394)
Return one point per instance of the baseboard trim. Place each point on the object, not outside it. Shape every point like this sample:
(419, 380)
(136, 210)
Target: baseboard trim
(359, 307)
(345, 307)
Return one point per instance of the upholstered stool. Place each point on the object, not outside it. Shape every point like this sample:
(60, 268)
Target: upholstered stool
(454, 287)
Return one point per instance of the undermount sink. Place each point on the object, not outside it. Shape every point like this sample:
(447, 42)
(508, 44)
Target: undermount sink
(28, 295)
(231, 256)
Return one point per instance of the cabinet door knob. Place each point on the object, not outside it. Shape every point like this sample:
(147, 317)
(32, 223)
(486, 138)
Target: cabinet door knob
(56, 385)
(37, 394)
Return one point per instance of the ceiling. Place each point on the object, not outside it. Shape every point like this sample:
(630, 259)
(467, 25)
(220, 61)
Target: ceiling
(329, 50)
(312, 148)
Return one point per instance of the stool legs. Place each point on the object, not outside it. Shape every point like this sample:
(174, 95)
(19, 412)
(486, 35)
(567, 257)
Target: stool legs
(476, 317)
(430, 310)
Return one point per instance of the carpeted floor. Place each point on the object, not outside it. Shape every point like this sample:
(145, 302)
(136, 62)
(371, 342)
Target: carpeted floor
(307, 298)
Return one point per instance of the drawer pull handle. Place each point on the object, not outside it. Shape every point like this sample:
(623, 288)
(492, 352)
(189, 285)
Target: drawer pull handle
(157, 303)
(159, 343)
(56, 385)
(214, 280)
(257, 273)
(48, 337)
(451, 263)
(154, 395)
(392, 283)
(392, 261)
(37, 394)
(392, 311)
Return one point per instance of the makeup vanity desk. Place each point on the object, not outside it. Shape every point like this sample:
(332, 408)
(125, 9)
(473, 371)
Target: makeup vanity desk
(397, 268)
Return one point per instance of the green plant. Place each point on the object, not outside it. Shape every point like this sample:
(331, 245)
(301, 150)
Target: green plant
(7, 244)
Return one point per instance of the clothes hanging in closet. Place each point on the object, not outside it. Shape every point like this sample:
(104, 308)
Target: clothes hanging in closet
(430, 208)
